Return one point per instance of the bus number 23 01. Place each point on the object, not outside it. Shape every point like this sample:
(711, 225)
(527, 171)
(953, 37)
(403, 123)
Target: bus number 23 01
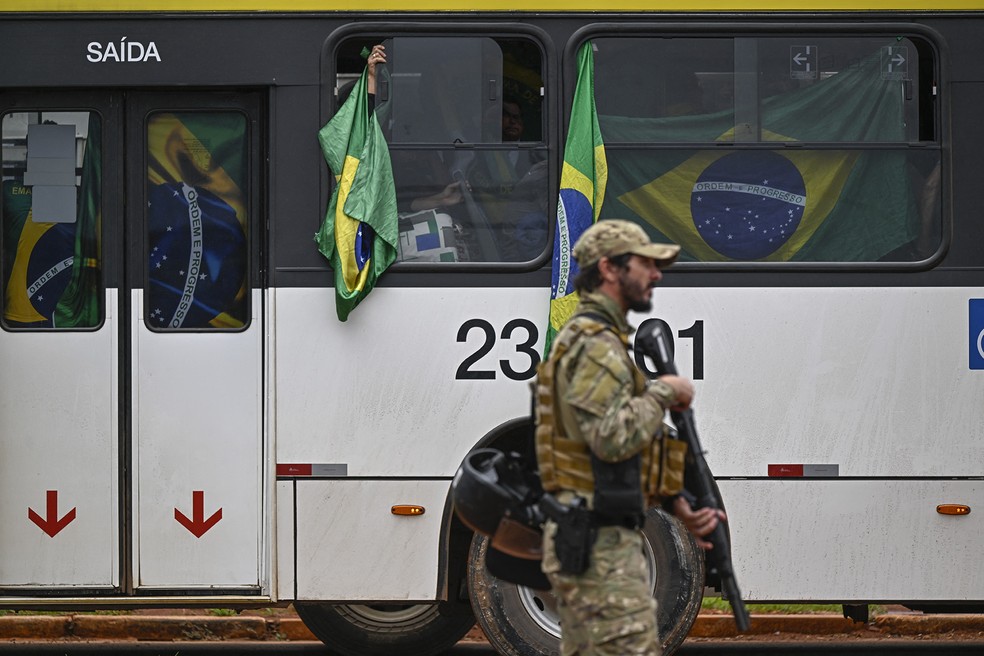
(526, 335)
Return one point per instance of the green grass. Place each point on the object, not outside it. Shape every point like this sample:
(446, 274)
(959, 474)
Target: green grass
(717, 603)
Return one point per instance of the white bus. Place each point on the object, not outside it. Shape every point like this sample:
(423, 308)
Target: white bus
(184, 420)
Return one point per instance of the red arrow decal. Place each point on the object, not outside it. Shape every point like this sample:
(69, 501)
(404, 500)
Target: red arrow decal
(198, 525)
(50, 524)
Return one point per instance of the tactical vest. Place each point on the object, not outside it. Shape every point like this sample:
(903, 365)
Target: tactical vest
(565, 462)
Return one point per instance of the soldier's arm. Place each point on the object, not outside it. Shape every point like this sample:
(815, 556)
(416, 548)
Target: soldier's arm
(615, 423)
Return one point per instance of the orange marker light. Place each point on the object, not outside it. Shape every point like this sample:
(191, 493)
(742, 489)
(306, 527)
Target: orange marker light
(408, 510)
(953, 509)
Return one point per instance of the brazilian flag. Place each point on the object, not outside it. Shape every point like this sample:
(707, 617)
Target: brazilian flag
(360, 233)
(783, 204)
(79, 306)
(582, 189)
(38, 259)
(197, 204)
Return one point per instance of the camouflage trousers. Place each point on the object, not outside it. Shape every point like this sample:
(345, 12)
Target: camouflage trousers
(609, 609)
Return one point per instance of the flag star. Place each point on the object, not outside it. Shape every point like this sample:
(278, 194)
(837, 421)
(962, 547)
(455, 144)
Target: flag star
(158, 266)
(181, 273)
(40, 298)
(700, 198)
(727, 209)
(176, 194)
(203, 276)
(751, 228)
(169, 228)
(729, 236)
(163, 258)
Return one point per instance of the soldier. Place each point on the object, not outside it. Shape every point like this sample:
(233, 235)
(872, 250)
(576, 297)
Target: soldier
(600, 423)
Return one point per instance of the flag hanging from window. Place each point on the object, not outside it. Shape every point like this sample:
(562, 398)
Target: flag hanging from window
(360, 232)
(582, 190)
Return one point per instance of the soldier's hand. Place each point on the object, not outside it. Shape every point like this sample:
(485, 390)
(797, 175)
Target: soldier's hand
(683, 389)
(699, 522)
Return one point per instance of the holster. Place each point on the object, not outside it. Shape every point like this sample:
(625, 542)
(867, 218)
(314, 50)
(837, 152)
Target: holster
(618, 497)
(576, 533)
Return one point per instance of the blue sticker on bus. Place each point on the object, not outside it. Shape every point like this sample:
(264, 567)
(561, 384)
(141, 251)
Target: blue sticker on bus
(977, 333)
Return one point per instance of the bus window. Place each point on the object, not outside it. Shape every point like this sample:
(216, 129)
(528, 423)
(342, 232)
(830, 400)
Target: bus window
(819, 164)
(197, 206)
(464, 122)
(51, 213)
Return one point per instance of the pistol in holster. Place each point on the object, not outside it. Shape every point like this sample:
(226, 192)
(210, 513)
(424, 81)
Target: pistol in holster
(576, 533)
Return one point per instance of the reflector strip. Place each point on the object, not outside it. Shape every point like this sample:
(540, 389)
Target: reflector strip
(804, 471)
(328, 470)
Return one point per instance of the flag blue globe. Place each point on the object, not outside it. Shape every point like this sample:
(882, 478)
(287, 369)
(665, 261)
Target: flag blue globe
(747, 205)
(197, 259)
(49, 268)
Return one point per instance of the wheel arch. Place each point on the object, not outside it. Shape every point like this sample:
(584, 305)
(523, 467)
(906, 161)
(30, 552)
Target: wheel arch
(455, 542)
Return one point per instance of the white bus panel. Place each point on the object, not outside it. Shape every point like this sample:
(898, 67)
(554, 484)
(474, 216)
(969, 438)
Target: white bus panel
(198, 443)
(873, 380)
(855, 540)
(59, 469)
(387, 376)
(351, 546)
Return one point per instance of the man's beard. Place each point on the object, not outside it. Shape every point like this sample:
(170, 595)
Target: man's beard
(634, 295)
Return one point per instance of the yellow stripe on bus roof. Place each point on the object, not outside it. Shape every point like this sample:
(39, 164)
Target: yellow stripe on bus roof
(238, 6)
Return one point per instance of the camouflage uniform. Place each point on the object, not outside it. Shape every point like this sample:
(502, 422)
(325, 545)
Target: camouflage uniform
(605, 401)
(593, 401)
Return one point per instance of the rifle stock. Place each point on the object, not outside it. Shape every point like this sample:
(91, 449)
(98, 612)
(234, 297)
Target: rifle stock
(699, 480)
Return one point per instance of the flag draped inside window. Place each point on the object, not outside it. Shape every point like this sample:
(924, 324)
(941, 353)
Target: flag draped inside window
(582, 189)
(845, 204)
(359, 234)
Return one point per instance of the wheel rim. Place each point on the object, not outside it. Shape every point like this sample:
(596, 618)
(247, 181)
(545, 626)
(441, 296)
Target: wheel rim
(390, 615)
(542, 606)
(542, 609)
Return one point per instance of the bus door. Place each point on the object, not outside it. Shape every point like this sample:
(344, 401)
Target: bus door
(131, 344)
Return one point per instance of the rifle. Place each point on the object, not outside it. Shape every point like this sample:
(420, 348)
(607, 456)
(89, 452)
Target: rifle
(699, 480)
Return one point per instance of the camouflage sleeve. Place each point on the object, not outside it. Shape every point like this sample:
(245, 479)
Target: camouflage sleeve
(615, 423)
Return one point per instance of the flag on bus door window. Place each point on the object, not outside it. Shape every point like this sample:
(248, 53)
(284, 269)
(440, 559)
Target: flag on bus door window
(37, 262)
(582, 190)
(79, 306)
(197, 218)
(360, 233)
(782, 204)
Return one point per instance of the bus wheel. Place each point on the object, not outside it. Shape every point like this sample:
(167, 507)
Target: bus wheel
(519, 621)
(386, 629)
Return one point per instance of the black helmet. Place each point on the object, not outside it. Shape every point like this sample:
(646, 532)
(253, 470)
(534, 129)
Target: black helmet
(491, 485)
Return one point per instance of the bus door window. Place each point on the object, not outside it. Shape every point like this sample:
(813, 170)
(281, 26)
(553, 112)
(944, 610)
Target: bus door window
(51, 214)
(820, 165)
(197, 251)
(463, 119)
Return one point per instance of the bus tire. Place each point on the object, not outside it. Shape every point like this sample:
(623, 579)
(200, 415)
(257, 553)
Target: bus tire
(519, 621)
(385, 629)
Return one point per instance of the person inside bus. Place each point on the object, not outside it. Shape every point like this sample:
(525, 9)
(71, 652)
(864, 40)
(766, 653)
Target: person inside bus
(510, 187)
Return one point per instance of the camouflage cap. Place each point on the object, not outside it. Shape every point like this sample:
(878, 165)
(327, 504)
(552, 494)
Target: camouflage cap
(613, 237)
